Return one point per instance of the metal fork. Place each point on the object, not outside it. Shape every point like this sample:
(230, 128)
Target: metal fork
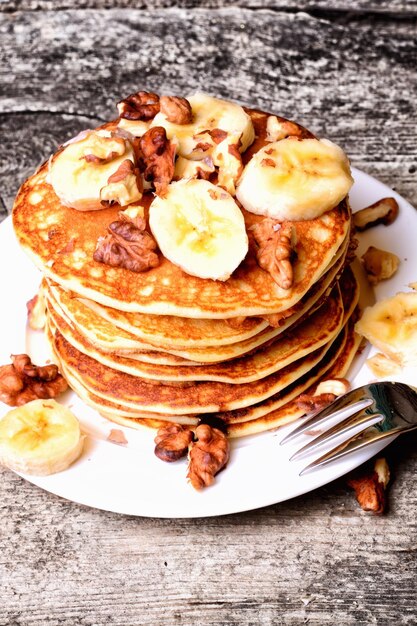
(363, 416)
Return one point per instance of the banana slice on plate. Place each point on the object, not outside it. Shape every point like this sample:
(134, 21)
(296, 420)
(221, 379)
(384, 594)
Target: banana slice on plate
(209, 113)
(82, 168)
(295, 179)
(200, 228)
(41, 437)
(391, 326)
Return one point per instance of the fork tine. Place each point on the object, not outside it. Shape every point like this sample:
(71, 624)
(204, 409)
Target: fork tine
(347, 448)
(341, 407)
(347, 429)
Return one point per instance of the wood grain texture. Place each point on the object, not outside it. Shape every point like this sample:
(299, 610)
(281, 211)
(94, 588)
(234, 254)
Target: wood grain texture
(317, 559)
(395, 8)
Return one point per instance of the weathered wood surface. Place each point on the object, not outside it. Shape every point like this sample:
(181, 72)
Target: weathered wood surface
(395, 8)
(317, 559)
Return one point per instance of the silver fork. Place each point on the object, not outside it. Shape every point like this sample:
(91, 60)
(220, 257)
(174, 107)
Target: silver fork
(363, 416)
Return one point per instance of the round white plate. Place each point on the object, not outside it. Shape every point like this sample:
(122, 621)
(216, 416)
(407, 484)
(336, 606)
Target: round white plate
(130, 479)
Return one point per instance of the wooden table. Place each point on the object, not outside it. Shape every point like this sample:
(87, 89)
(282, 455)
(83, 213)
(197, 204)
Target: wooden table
(349, 75)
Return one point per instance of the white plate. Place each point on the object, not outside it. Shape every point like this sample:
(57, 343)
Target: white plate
(130, 479)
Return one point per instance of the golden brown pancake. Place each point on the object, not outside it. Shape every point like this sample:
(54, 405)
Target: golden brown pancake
(61, 241)
(318, 329)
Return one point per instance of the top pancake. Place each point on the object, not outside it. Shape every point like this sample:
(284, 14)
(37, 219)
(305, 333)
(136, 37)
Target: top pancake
(61, 241)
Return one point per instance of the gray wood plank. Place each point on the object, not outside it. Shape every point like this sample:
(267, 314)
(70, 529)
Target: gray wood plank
(391, 7)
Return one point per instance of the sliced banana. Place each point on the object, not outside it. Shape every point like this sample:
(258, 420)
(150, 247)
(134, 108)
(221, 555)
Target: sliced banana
(209, 113)
(41, 437)
(295, 179)
(391, 326)
(200, 228)
(79, 171)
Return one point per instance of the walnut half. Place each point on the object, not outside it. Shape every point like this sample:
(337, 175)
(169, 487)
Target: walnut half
(127, 245)
(177, 110)
(172, 441)
(274, 250)
(208, 455)
(383, 211)
(22, 381)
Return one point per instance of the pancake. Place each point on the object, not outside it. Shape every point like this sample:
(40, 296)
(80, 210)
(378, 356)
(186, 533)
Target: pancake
(61, 242)
(102, 334)
(318, 329)
(200, 397)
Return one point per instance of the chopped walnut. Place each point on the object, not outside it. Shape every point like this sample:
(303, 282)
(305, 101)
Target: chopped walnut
(379, 264)
(139, 106)
(158, 158)
(103, 147)
(123, 187)
(22, 381)
(117, 436)
(36, 308)
(274, 250)
(177, 110)
(382, 211)
(280, 129)
(187, 169)
(311, 403)
(370, 486)
(227, 158)
(172, 441)
(127, 245)
(208, 455)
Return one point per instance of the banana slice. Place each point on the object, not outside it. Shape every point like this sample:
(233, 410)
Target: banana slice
(209, 113)
(295, 179)
(200, 228)
(40, 438)
(83, 168)
(391, 326)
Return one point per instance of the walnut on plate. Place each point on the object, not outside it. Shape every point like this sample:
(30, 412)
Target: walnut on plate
(379, 264)
(172, 441)
(383, 211)
(22, 381)
(208, 455)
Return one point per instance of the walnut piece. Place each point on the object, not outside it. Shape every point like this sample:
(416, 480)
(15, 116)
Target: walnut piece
(382, 211)
(22, 381)
(187, 169)
(311, 403)
(223, 150)
(379, 264)
(157, 157)
(36, 308)
(123, 187)
(280, 129)
(207, 456)
(177, 110)
(139, 106)
(172, 441)
(274, 250)
(127, 245)
(370, 486)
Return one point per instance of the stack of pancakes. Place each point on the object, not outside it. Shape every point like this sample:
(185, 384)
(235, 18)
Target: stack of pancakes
(164, 345)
